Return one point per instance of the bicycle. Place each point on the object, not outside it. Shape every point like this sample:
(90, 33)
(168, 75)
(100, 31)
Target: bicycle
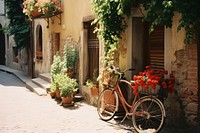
(147, 111)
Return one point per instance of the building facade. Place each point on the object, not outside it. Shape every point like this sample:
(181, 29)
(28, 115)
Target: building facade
(165, 48)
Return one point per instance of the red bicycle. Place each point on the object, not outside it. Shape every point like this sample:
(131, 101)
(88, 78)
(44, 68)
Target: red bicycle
(147, 111)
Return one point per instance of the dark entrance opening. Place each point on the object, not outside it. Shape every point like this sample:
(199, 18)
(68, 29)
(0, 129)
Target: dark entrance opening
(2, 47)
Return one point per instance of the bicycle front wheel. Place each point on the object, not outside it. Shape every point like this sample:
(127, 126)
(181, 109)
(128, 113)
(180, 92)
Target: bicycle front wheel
(107, 104)
(148, 114)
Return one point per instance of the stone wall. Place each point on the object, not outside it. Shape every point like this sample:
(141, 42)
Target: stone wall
(184, 105)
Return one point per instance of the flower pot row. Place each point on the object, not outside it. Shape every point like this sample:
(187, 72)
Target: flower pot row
(63, 86)
(64, 100)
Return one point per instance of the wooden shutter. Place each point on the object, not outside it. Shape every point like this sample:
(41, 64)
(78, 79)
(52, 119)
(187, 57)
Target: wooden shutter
(156, 48)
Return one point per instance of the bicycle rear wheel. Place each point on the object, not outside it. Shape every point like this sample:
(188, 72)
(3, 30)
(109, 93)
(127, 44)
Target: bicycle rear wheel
(148, 114)
(107, 104)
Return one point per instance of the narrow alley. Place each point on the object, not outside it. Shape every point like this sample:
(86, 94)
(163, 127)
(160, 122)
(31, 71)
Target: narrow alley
(25, 112)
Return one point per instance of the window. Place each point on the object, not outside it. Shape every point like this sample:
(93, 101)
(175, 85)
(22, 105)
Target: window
(39, 43)
(15, 54)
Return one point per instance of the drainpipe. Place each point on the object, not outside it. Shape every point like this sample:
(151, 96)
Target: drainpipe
(31, 48)
(198, 69)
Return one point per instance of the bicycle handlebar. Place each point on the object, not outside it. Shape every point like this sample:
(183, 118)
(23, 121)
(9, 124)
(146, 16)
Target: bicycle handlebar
(117, 71)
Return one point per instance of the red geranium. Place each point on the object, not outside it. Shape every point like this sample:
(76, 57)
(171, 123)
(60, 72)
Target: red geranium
(152, 78)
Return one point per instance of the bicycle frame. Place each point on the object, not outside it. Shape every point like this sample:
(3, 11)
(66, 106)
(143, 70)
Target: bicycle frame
(127, 107)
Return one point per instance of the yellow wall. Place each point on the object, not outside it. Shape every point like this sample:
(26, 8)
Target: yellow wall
(71, 24)
(72, 18)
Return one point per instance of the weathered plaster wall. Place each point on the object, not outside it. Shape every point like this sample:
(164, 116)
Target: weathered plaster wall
(183, 106)
(178, 37)
(19, 62)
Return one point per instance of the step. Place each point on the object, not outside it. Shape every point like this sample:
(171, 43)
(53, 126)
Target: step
(35, 88)
(78, 97)
(42, 83)
(46, 77)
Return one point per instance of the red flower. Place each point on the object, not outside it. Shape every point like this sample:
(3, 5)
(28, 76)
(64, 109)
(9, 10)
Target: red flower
(141, 73)
(155, 82)
(153, 78)
(147, 67)
(135, 90)
(164, 84)
(166, 72)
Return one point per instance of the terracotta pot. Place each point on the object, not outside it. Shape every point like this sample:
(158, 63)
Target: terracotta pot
(52, 94)
(94, 91)
(70, 73)
(67, 100)
(58, 93)
(35, 13)
(39, 55)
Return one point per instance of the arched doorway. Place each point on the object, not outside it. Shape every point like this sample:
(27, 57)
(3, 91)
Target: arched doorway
(2, 47)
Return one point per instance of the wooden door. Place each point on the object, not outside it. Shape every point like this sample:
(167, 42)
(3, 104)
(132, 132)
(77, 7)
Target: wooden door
(55, 47)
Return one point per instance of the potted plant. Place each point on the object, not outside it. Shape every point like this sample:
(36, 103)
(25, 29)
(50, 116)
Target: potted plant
(94, 84)
(57, 81)
(56, 69)
(93, 87)
(49, 8)
(44, 8)
(53, 90)
(107, 77)
(68, 87)
(56, 66)
(70, 56)
(30, 8)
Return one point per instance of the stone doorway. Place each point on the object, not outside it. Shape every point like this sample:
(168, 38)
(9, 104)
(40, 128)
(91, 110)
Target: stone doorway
(2, 47)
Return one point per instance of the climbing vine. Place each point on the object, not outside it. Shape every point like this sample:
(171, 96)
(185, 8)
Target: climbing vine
(18, 25)
(111, 16)
(161, 12)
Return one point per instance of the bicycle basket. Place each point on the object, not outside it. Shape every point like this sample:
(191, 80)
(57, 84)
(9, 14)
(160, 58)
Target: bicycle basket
(149, 90)
(109, 79)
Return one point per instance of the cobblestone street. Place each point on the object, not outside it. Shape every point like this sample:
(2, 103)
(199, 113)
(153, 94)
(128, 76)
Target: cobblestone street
(22, 111)
(25, 112)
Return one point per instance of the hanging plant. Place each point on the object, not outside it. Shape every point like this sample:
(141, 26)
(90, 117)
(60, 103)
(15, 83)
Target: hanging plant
(41, 8)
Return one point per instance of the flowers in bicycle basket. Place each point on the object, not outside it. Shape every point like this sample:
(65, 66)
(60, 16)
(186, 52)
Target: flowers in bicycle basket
(152, 79)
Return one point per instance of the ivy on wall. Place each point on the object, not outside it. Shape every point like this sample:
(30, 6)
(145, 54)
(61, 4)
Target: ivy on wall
(111, 15)
(18, 25)
(161, 12)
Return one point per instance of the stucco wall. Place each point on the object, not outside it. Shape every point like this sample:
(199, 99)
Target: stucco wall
(71, 23)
